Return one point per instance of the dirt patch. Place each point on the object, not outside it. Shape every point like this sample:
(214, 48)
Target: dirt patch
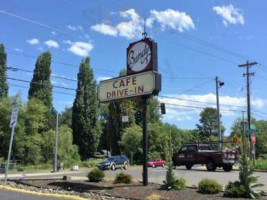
(127, 191)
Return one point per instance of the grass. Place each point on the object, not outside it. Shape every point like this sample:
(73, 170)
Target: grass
(261, 164)
(48, 167)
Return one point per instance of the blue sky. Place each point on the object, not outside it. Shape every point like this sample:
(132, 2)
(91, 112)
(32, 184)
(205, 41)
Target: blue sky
(197, 40)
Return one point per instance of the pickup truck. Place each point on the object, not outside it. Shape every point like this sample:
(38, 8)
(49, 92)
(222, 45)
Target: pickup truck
(201, 153)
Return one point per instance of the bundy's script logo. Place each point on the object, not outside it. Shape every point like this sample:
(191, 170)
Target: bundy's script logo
(139, 56)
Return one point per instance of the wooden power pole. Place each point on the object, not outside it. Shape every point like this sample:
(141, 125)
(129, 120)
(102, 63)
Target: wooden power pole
(248, 74)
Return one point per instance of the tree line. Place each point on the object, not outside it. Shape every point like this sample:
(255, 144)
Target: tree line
(88, 126)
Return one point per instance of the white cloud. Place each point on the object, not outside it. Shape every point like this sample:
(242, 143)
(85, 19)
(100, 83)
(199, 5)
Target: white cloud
(67, 42)
(132, 24)
(53, 33)
(75, 28)
(81, 48)
(128, 29)
(33, 41)
(105, 29)
(229, 106)
(51, 43)
(230, 14)
(173, 19)
(18, 50)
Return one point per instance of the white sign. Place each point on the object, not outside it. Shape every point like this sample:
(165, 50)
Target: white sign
(128, 86)
(139, 56)
(125, 119)
(14, 116)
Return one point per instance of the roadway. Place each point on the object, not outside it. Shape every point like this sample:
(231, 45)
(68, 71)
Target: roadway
(155, 175)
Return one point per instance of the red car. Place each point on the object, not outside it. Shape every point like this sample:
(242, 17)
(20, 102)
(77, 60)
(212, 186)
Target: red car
(156, 163)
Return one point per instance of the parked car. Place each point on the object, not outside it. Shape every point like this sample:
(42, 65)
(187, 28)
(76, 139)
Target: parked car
(156, 163)
(201, 153)
(114, 162)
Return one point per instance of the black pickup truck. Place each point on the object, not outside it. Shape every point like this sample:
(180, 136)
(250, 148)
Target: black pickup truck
(204, 154)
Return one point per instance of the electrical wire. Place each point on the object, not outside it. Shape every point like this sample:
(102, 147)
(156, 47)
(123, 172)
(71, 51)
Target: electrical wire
(25, 81)
(28, 71)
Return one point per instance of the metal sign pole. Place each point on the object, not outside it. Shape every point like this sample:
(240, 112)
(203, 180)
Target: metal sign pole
(9, 152)
(145, 142)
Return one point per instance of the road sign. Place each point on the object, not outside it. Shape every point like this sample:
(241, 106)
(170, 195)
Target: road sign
(125, 119)
(253, 138)
(140, 84)
(14, 116)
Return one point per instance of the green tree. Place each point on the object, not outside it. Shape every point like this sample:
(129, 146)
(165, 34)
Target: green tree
(208, 123)
(261, 138)
(3, 68)
(35, 121)
(85, 125)
(65, 118)
(40, 87)
(67, 151)
(132, 142)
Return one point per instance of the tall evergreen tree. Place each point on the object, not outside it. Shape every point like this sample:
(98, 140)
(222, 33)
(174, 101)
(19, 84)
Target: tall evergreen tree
(40, 87)
(86, 128)
(3, 68)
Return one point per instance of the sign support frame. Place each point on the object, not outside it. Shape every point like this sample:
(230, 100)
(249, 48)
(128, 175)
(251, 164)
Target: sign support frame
(9, 152)
(145, 141)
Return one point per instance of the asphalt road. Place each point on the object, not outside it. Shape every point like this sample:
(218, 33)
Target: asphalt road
(7, 195)
(157, 175)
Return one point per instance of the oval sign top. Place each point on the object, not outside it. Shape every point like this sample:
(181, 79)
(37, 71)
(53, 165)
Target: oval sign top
(139, 56)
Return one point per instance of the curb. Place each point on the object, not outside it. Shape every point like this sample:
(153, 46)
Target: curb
(61, 196)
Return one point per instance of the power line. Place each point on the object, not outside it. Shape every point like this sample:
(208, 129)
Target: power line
(15, 69)
(209, 44)
(197, 86)
(199, 51)
(182, 99)
(25, 87)
(33, 21)
(54, 86)
(197, 107)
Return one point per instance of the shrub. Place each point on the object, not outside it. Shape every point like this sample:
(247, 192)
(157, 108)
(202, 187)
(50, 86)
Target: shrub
(172, 182)
(123, 178)
(261, 164)
(209, 186)
(96, 175)
(91, 163)
(235, 190)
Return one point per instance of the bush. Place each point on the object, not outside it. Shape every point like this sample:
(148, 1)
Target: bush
(172, 182)
(235, 190)
(123, 178)
(96, 175)
(209, 186)
(91, 163)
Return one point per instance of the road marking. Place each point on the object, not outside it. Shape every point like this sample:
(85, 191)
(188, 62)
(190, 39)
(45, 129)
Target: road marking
(61, 196)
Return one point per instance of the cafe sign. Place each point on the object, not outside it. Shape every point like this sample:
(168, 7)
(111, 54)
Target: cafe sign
(140, 84)
(142, 56)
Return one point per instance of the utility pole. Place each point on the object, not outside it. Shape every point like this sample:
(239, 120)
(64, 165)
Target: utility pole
(218, 85)
(248, 74)
(243, 130)
(56, 145)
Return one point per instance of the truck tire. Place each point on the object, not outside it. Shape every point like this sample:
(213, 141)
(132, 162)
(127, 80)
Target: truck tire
(210, 165)
(227, 168)
(188, 167)
(125, 166)
(113, 167)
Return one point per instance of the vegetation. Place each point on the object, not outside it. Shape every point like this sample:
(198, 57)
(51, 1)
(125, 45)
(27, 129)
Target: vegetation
(208, 123)
(247, 183)
(85, 125)
(172, 182)
(123, 178)
(209, 186)
(3, 68)
(96, 175)
(261, 164)
(235, 190)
